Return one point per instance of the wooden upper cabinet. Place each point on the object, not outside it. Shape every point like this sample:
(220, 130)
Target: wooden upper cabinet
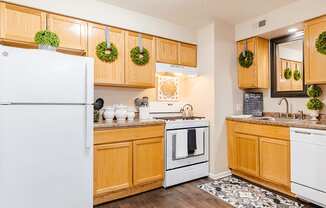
(173, 52)
(140, 75)
(167, 51)
(72, 32)
(148, 160)
(188, 55)
(315, 62)
(106, 73)
(247, 154)
(257, 75)
(275, 160)
(112, 167)
(20, 24)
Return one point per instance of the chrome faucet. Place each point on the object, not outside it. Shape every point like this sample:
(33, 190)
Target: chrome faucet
(287, 105)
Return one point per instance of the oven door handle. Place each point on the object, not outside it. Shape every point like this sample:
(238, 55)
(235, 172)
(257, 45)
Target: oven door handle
(174, 158)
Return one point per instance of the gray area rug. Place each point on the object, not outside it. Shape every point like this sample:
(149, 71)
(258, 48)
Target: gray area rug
(241, 194)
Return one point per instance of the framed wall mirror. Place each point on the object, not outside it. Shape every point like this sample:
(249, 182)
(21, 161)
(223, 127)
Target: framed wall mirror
(287, 66)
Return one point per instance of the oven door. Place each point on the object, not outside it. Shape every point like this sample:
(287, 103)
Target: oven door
(173, 142)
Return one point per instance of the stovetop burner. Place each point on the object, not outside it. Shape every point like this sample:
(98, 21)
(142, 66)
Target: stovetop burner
(174, 118)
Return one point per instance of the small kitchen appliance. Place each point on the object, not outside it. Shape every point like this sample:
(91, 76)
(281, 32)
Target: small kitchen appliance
(186, 143)
(253, 103)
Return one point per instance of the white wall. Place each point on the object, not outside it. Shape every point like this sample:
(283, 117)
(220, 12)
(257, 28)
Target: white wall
(294, 13)
(98, 11)
(290, 54)
(200, 91)
(214, 94)
(227, 94)
(295, 104)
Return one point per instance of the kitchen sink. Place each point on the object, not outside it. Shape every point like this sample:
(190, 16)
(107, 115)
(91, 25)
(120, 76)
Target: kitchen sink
(265, 118)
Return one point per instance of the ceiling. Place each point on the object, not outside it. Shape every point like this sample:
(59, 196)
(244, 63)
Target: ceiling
(193, 13)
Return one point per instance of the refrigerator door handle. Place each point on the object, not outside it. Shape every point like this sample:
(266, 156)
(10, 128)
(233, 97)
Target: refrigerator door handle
(86, 84)
(88, 127)
(89, 85)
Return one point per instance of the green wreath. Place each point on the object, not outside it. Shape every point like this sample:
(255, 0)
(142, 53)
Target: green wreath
(297, 75)
(246, 58)
(139, 58)
(321, 43)
(47, 38)
(107, 54)
(287, 73)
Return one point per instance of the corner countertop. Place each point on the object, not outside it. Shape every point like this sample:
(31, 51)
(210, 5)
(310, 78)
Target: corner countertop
(123, 124)
(321, 125)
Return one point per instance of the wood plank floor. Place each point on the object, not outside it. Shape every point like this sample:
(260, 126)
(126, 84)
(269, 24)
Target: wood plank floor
(183, 196)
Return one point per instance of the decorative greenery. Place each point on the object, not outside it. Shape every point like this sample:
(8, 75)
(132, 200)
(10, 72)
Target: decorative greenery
(246, 58)
(48, 38)
(314, 104)
(107, 54)
(139, 58)
(287, 73)
(297, 75)
(314, 91)
(321, 43)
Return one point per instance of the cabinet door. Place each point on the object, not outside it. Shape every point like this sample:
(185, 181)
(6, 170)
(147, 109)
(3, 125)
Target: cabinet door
(315, 62)
(188, 55)
(72, 32)
(231, 145)
(140, 75)
(167, 51)
(107, 73)
(247, 77)
(112, 167)
(247, 153)
(148, 160)
(275, 160)
(20, 24)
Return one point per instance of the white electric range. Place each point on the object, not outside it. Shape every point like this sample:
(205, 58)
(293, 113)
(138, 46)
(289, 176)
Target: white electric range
(183, 162)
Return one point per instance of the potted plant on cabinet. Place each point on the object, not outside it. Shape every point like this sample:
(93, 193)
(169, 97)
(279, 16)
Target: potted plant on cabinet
(314, 104)
(47, 40)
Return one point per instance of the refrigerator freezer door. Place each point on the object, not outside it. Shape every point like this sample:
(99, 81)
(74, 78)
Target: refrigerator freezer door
(39, 76)
(45, 156)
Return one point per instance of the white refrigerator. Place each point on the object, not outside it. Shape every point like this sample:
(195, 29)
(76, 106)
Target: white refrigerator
(46, 129)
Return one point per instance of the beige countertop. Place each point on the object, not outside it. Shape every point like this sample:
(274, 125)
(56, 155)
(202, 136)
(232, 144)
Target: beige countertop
(321, 125)
(122, 124)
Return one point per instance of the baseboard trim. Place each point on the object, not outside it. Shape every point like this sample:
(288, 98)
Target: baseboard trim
(219, 175)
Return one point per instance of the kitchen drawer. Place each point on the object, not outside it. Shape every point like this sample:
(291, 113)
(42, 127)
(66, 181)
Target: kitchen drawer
(277, 132)
(127, 134)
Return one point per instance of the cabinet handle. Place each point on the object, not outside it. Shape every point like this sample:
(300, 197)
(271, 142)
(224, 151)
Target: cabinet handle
(302, 132)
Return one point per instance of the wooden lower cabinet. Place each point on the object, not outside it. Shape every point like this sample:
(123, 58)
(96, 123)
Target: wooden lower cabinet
(127, 161)
(275, 160)
(148, 160)
(112, 167)
(247, 159)
(261, 154)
